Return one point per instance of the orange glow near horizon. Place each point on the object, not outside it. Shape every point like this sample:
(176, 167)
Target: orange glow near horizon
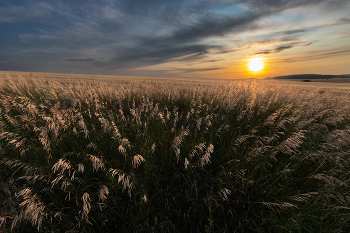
(256, 64)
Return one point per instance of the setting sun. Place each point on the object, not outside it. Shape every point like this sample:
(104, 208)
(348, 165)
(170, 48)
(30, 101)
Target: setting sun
(256, 64)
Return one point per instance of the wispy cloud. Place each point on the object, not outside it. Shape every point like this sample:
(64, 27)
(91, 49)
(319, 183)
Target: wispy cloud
(199, 70)
(80, 59)
(277, 49)
(317, 55)
(343, 20)
(10, 12)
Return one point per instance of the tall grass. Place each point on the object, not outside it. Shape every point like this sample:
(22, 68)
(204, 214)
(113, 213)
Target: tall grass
(172, 157)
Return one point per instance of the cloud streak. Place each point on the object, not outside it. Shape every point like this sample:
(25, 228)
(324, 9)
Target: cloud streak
(280, 48)
(318, 55)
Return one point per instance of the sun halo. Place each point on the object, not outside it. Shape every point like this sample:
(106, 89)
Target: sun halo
(256, 64)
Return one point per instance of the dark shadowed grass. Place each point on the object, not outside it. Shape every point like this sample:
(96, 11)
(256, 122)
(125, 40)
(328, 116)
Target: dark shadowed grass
(172, 157)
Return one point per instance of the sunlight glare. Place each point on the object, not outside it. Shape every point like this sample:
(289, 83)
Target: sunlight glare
(256, 64)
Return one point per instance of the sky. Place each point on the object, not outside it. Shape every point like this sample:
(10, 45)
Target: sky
(175, 38)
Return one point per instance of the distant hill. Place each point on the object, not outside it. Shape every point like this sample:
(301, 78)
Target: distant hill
(310, 76)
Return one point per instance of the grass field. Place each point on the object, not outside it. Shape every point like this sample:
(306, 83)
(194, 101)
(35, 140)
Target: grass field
(133, 155)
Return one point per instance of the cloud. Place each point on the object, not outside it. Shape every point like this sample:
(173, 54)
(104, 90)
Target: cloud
(214, 26)
(273, 39)
(199, 70)
(343, 20)
(319, 55)
(263, 52)
(283, 47)
(146, 56)
(80, 59)
(215, 60)
(211, 25)
(277, 49)
(28, 11)
(280, 5)
(290, 32)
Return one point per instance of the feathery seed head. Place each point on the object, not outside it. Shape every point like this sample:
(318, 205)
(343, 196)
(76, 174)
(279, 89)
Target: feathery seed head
(103, 192)
(96, 162)
(137, 160)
